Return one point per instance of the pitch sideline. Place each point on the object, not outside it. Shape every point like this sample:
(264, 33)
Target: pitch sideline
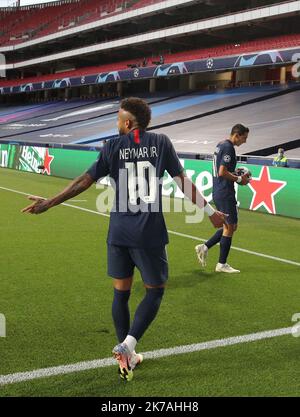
(155, 354)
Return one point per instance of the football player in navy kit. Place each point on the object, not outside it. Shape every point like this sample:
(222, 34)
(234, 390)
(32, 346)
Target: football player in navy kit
(136, 162)
(224, 177)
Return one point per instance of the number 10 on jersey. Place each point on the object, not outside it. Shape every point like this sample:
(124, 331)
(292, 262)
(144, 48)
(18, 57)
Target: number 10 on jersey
(142, 184)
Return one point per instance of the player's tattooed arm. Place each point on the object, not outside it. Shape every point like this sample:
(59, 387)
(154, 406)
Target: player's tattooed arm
(80, 184)
(40, 205)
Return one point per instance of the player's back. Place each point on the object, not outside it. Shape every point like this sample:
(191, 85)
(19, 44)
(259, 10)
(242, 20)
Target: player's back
(144, 149)
(136, 163)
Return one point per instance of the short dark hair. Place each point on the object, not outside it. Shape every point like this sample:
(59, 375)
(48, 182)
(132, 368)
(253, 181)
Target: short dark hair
(239, 129)
(139, 109)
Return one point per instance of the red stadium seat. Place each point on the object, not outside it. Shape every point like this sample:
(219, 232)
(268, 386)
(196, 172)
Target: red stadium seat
(45, 20)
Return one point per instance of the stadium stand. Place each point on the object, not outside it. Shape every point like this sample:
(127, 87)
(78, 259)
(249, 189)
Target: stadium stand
(20, 25)
(25, 24)
(278, 42)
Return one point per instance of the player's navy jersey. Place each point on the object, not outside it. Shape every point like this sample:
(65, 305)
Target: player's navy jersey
(136, 163)
(224, 155)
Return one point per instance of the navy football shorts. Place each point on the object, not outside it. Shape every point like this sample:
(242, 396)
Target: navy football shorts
(151, 262)
(227, 206)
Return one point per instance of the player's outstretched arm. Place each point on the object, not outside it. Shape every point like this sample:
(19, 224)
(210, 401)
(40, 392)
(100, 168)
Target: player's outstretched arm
(189, 189)
(40, 205)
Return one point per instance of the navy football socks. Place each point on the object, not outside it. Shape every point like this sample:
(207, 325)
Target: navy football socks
(214, 239)
(146, 312)
(120, 313)
(225, 244)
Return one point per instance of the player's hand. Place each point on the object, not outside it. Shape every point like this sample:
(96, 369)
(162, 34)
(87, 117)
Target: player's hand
(246, 178)
(218, 219)
(40, 205)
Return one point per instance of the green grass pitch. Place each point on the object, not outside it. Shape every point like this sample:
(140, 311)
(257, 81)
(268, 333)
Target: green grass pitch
(56, 297)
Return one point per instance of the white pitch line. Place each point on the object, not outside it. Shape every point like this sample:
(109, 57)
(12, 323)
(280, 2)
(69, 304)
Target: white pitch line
(63, 204)
(250, 252)
(263, 255)
(84, 209)
(155, 354)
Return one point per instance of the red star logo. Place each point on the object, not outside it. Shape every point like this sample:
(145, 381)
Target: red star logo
(47, 162)
(264, 189)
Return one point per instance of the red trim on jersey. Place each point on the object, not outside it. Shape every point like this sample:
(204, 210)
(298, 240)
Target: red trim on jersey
(136, 136)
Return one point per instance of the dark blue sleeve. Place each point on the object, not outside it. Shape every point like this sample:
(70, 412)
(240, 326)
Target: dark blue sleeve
(100, 168)
(226, 156)
(172, 163)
